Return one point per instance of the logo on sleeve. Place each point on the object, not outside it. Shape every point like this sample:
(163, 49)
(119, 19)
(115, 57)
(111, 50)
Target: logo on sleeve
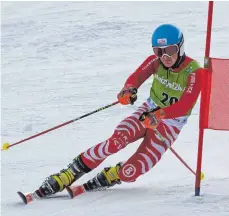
(192, 82)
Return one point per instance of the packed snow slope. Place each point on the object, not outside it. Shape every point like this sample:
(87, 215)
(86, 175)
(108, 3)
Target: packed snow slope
(61, 60)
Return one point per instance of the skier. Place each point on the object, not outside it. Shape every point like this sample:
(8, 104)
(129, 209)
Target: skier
(175, 88)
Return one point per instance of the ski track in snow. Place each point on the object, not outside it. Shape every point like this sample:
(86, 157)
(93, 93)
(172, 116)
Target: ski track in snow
(63, 59)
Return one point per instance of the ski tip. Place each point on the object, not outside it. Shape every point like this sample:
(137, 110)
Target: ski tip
(70, 192)
(22, 196)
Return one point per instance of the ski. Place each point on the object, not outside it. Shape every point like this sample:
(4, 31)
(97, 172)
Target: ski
(73, 191)
(93, 184)
(27, 198)
(77, 190)
(30, 197)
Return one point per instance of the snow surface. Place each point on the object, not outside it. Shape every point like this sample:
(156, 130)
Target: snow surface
(63, 59)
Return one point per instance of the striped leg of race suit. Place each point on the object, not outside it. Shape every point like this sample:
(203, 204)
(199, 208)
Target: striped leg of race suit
(154, 144)
(150, 151)
(128, 131)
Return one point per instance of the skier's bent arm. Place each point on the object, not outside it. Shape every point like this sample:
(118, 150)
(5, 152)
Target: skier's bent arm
(188, 98)
(143, 72)
(128, 95)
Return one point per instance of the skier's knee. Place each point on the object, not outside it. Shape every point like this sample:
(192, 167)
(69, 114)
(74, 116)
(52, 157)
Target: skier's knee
(128, 173)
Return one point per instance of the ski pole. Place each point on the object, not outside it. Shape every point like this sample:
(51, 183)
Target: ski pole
(182, 161)
(6, 146)
(180, 158)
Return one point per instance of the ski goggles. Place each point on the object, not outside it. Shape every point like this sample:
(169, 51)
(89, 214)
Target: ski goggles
(167, 50)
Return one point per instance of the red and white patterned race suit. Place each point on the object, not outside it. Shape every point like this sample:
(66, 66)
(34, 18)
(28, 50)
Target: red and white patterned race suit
(153, 146)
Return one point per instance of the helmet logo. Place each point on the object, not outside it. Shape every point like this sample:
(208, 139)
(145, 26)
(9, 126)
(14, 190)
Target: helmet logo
(162, 41)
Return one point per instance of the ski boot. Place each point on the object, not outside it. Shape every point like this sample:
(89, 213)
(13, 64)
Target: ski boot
(57, 182)
(107, 178)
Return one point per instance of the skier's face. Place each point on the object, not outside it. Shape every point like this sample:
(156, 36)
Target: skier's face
(169, 61)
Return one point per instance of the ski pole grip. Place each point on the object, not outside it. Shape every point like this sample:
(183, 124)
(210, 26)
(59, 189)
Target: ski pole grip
(144, 114)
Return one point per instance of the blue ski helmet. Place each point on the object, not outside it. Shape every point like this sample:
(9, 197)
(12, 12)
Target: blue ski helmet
(168, 34)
